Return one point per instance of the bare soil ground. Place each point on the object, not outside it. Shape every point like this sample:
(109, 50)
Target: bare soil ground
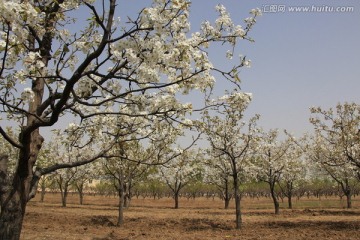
(195, 219)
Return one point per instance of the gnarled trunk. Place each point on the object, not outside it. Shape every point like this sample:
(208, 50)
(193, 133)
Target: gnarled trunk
(11, 209)
(14, 198)
(16, 192)
(12, 214)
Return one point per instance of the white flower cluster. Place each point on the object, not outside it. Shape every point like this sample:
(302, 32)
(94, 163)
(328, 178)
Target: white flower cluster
(239, 100)
(224, 21)
(20, 14)
(256, 12)
(67, 5)
(27, 95)
(168, 51)
(33, 62)
(247, 63)
(84, 87)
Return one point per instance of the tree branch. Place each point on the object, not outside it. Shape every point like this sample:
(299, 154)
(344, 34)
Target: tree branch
(10, 139)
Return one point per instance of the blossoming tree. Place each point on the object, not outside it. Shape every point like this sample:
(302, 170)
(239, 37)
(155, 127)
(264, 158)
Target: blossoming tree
(294, 173)
(332, 163)
(338, 131)
(52, 69)
(217, 171)
(122, 171)
(179, 172)
(336, 144)
(231, 139)
(271, 161)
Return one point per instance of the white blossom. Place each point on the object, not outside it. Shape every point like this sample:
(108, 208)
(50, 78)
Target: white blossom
(229, 54)
(256, 12)
(247, 63)
(27, 95)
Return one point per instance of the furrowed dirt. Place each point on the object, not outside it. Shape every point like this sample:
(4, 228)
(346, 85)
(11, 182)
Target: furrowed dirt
(201, 218)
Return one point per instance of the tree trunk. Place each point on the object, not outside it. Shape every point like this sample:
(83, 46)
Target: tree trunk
(127, 201)
(290, 188)
(121, 205)
(290, 201)
(176, 198)
(12, 214)
(227, 197)
(23, 184)
(14, 196)
(227, 202)
(43, 191)
(80, 189)
(127, 196)
(64, 195)
(238, 211)
(237, 200)
(81, 197)
(12, 205)
(274, 198)
(348, 199)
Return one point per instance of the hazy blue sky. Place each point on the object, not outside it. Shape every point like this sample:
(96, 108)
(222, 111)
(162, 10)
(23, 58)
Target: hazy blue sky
(300, 59)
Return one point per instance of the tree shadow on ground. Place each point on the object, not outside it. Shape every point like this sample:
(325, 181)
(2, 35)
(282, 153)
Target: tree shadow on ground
(326, 225)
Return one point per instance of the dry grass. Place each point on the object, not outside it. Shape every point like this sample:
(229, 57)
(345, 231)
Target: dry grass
(196, 219)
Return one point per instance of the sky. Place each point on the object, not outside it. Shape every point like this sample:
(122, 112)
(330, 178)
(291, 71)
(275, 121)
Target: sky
(299, 59)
